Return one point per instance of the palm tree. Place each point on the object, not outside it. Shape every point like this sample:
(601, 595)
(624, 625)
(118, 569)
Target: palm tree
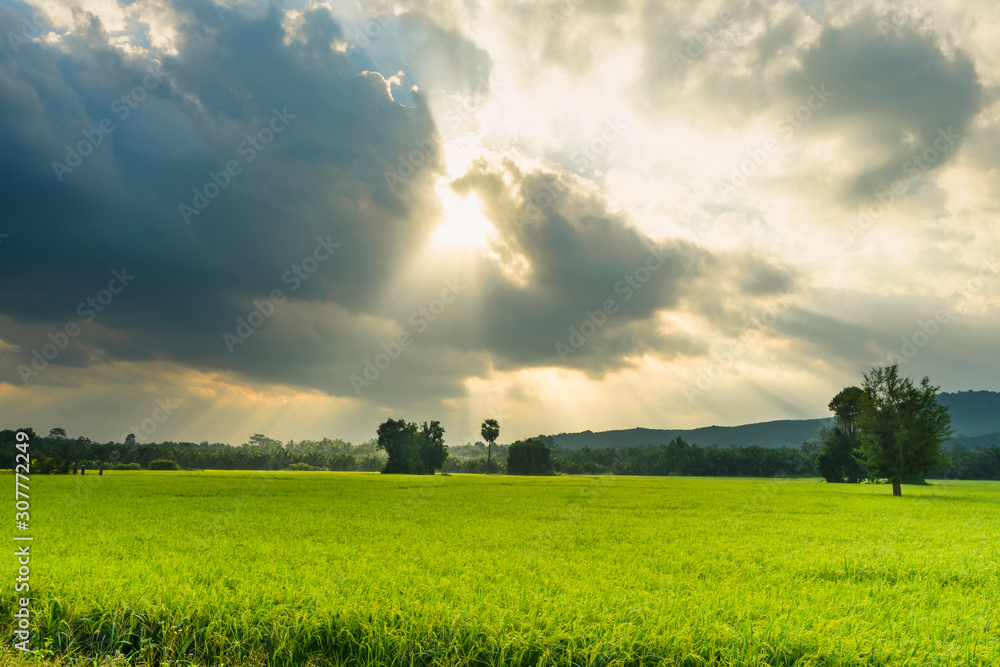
(80, 447)
(66, 450)
(490, 431)
(102, 452)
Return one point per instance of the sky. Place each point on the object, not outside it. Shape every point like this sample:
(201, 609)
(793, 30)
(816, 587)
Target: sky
(224, 217)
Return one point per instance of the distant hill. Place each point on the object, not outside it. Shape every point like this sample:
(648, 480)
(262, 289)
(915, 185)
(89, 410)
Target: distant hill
(975, 417)
(973, 412)
(784, 433)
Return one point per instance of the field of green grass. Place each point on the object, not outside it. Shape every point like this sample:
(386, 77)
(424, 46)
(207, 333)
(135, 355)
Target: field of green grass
(220, 568)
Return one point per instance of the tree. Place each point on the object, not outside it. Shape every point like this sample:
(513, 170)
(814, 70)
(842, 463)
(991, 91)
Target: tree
(846, 407)
(490, 432)
(901, 426)
(130, 440)
(102, 452)
(433, 452)
(264, 442)
(837, 460)
(412, 450)
(68, 450)
(8, 446)
(529, 457)
(80, 449)
(396, 438)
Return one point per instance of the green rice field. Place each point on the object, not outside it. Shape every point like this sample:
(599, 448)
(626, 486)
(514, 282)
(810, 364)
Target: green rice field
(243, 568)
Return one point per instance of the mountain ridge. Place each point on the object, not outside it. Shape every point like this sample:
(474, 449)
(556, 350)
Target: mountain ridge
(975, 418)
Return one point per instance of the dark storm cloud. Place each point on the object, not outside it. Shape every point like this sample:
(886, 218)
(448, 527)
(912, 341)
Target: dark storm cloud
(312, 139)
(588, 264)
(718, 62)
(333, 136)
(897, 95)
(894, 94)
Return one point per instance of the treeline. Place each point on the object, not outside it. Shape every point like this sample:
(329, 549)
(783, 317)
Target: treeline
(61, 455)
(58, 454)
(959, 462)
(681, 458)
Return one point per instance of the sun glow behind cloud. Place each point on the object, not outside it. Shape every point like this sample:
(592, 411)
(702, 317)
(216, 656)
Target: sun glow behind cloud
(463, 225)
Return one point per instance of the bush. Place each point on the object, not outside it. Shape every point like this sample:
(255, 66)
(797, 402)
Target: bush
(529, 457)
(163, 464)
(480, 466)
(371, 463)
(304, 466)
(126, 466)
(48, 465)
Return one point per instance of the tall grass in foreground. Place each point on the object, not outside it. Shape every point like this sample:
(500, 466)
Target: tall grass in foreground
(362, 569)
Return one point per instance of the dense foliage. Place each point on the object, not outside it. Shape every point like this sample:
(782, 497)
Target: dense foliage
(529, 457)
(837, 460)
(680, 458)
(163, 464)
(57, 454)
(900, 426)
(412, 450)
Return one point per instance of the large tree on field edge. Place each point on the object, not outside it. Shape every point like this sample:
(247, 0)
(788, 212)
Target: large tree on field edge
(529, 457)
(412, 450)
(901, 426)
